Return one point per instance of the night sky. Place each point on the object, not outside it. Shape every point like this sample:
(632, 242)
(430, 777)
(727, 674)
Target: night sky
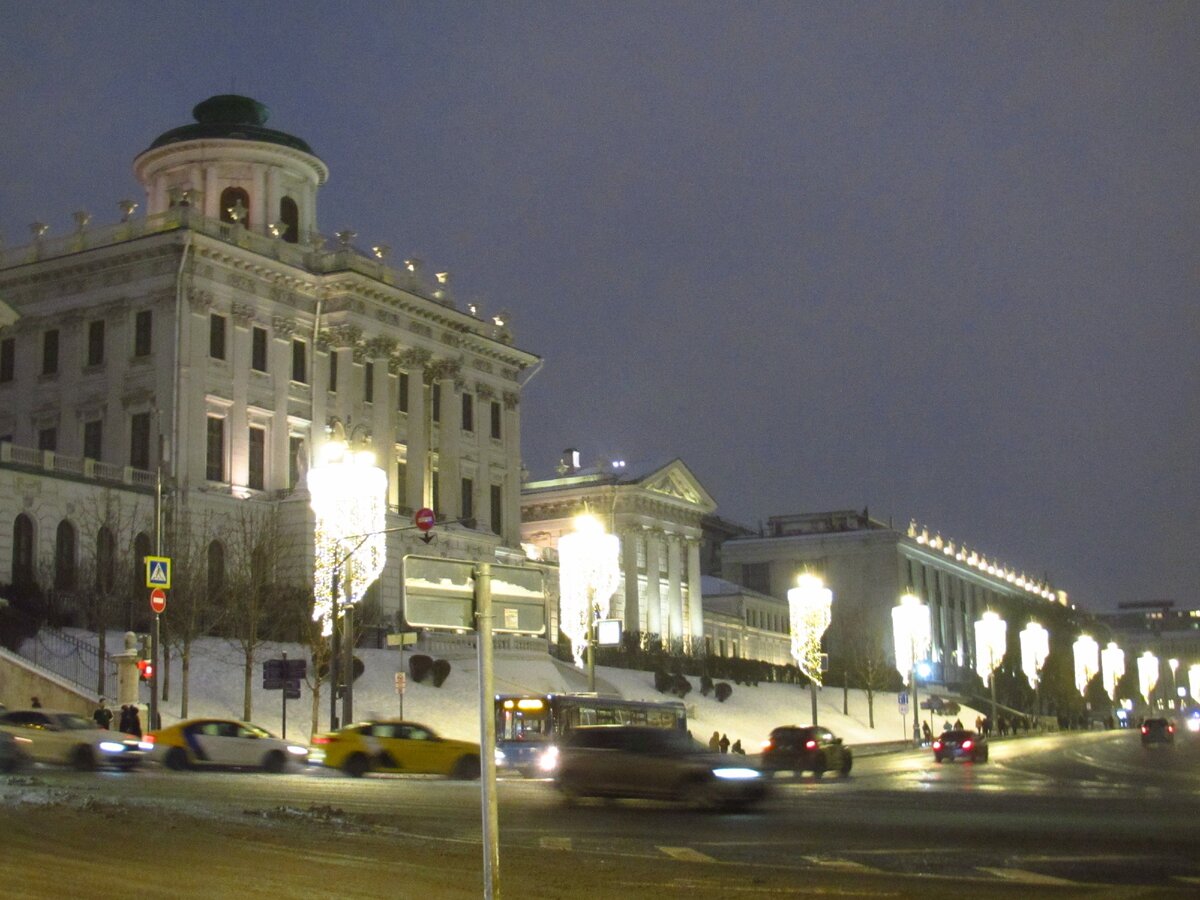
(940, 261)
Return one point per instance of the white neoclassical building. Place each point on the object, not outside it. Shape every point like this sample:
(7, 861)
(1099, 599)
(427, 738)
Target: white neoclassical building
(218, 324)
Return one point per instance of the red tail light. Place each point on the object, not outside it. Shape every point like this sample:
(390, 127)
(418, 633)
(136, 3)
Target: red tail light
(767, 745)
(149, 738)
(1145, 729)
(1170, 729)
(322, 739)
(937, 745)
(810, 745)
(967, 745)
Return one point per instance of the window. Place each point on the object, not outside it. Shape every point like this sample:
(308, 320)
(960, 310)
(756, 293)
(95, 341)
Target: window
(258, 457)
(437, 402)
(295, 448)
(50, 352)
(235, 205)
(468, 412)
(369, 382)
(333, 372)
(216, 336)
(468, 498)
(22, 554)
(48, 439)
(497, 498)
(496, 433)
(289, 217)
(95, 351)
(436, 498)
(258, 349)
(139, 441)
(402, 393)
(93, 433)
(300, 362)
(64, 556)
(757, 577)
(402, 485)
(8, 359)
(143, 332)
(214, 464)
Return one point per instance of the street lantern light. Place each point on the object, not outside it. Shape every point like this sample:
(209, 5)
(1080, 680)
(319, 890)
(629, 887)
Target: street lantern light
(991, 640)
(349, 501)
(810, 610)
(1087, 661)
(1174, 664)
(912, 635)
(1035, 647)
(1147, 665)
(1112, 661)
(588, 573)
(1194, 681)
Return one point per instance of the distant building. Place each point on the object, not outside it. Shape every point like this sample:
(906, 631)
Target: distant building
(1166, 631)
(745, 624)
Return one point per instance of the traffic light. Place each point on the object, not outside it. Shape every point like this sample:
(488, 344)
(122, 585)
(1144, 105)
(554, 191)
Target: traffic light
(145, 669)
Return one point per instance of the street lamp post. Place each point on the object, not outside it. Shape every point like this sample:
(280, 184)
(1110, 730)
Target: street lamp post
(1147, 665)
(991, 640)
(589, 571)
(1174, 665)
(912, 636)
(810, 609)
(1112, 663)
(1035, 647)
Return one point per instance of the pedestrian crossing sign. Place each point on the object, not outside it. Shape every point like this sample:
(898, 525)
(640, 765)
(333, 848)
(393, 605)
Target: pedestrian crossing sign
(158, 572)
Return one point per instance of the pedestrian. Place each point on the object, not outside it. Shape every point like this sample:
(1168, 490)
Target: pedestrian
(130, 723)
(724, 743)
(926, 732)
(102, 716)
(958, 725)
(737, 747)
(946, 725)
(714, 742)
(979, 723)
(35, 702)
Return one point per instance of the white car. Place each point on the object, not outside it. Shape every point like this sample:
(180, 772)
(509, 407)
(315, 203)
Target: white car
(227, 743)
(52, 736)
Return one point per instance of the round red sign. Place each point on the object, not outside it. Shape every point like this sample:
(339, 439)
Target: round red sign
(424, 518)
(158, 600)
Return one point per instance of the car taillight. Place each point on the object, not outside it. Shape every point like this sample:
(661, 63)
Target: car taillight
(767, 745)
(1145, 729)
(149, 738)
(810, 745)
(1170, 729)
(967, 745)
(937, 745)
(322, 739)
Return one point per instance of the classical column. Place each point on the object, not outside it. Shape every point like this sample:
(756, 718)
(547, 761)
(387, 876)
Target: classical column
(675, 586)
(511, 492)
(631, 615)
(416, 432)
(444, 372)
(654, 623)
(695, 593)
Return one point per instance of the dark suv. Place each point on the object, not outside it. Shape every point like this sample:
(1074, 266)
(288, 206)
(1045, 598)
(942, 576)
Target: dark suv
(1158, 731)
(807, 748)
(653, 763)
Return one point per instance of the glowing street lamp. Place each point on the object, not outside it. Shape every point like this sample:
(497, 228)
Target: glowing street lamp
(810, 606)
(1087, 661)
(1194, 681)
(588, 571)
(1174, 665)
(991, 640)
(1147, 665)
(1112, 661)
(1035, 647)
(349, 500)
(912, 634)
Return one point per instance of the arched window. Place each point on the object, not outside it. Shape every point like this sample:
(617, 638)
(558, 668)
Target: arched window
(22, 558)
(64, 556)
(235, 198)
(289, 215)
(216, 571)
(106, 560)
(135, 599)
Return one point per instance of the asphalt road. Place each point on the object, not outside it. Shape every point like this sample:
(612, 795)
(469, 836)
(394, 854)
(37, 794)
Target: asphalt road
(1067, 815)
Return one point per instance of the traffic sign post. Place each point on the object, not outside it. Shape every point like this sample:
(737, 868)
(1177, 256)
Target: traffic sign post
(902, 703)
(284, 675)
(158, 601)
(158, 572)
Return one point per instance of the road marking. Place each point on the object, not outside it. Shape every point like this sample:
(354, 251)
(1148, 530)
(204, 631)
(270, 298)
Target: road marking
(555, 843)
(687, 854)
(844, 865)
(1025, 877)
(1187, 879)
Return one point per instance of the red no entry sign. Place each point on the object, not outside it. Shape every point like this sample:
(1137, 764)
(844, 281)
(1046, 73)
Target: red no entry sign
(158, 600)
(424, 518)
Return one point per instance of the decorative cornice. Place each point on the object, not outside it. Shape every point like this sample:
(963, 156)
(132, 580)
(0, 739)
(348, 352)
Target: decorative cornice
(243, 313)
(284, 326)
(511, 399)
(412, 358)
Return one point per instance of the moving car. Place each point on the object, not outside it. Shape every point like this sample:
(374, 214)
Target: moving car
(395, 746)
(197, 743)
(53, 736)
(12, 752)
(959, 743)
(637, 761)
(1157, 731)
(807, 748)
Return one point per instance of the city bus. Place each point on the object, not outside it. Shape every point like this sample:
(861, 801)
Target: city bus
(529, 725)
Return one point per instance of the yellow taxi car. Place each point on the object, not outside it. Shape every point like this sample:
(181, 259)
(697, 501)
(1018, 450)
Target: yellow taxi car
(394, 746)
(225, 743)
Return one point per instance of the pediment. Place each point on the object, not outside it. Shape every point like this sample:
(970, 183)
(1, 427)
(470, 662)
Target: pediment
(676, 481)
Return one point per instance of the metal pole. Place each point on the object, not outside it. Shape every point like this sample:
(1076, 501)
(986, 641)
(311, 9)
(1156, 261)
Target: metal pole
(487, 733)
(333, 655)
(283, 694)
(400, 693)
(916, 702)
(155, 635)
(812, 689)
(348, 669)
(591, 645)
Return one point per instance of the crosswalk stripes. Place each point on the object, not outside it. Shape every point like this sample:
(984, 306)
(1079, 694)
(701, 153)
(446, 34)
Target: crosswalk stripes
(687, 854)
(1026, 877)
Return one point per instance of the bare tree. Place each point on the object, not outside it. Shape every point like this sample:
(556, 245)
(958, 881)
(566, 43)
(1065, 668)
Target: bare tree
(866, 656)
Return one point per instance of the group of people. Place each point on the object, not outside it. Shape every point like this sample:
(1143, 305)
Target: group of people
(719, 743)
(927, 732)
(130, 721)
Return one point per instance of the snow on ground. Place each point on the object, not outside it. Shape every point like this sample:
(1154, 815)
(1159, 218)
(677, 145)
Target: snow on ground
(216, 689)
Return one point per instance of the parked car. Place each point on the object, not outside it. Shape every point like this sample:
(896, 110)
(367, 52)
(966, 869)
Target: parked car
(959, 743)
(1157, 731)
(807, 748)
(653, 763)
(395, 746)
(200, 743)
(52, 736)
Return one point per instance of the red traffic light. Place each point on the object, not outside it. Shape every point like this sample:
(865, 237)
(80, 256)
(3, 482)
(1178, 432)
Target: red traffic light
(145, 669)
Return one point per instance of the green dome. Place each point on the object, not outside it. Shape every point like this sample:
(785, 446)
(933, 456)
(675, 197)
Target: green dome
(230, 117)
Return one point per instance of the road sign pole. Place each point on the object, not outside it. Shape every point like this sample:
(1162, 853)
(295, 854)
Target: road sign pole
(283, 730)
(487, 733)
(154, 638)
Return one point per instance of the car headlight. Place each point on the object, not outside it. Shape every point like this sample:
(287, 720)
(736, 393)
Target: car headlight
(736, 774)
(111, 747)
(297, 750)
(147, 746)
(1193, 724)
(499, 757)
(548, 761)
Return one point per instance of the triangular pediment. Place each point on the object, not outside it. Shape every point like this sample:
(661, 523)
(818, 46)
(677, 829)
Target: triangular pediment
(675, 480)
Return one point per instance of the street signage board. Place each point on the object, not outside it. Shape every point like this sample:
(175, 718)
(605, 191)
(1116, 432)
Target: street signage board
(440, 593)
(158, 572)
(902, 702)
(285, 669)
(608, 632)
(158, 600)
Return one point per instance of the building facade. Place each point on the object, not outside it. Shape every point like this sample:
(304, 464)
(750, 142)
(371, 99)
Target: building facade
(224, 335)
